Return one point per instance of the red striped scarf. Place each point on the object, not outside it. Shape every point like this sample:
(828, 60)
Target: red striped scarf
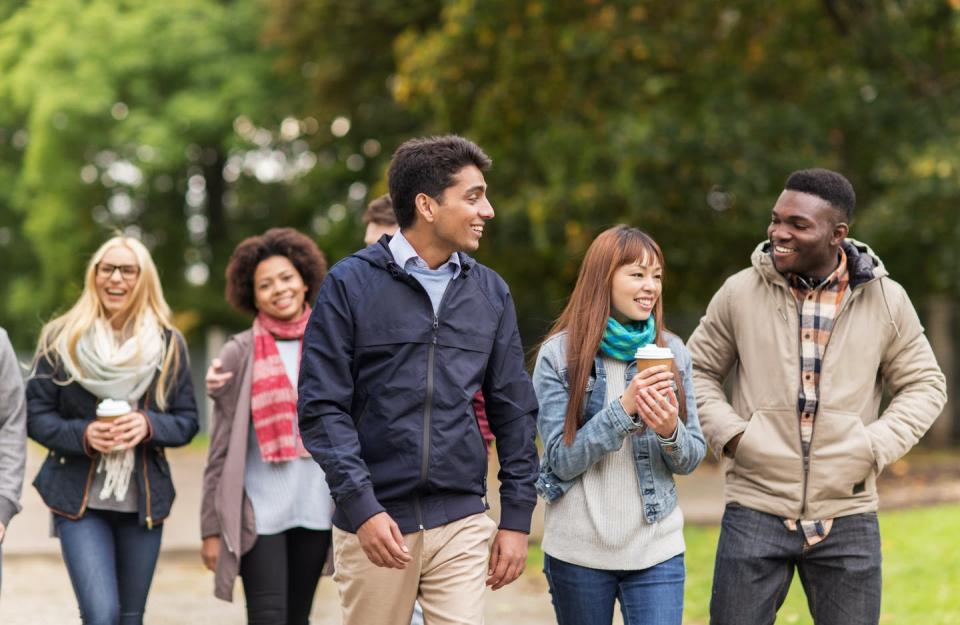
(273, 400)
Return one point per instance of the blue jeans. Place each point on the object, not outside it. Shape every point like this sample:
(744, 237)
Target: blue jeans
(757, 554)
(585, 596)
(110, 558)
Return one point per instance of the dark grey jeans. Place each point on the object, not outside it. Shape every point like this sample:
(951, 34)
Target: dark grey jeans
(756, 557)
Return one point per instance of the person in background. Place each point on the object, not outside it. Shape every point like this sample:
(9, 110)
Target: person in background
(403, 334)
(107, 482)
(613, 439)
(13, 436)
(379, 219)
(814, 333)
(266, 507)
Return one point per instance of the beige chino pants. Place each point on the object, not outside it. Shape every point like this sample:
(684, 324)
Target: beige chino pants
(446, 574)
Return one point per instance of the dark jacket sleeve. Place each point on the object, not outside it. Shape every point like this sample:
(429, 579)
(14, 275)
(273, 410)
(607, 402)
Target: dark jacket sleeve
(177, 425)
(512, 412)
(325, 396)
(44, 421)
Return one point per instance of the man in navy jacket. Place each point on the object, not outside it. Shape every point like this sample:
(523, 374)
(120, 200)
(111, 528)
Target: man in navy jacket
(402, 336)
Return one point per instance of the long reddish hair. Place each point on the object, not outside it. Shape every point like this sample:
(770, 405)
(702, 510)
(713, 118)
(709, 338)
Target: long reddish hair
(585, 316)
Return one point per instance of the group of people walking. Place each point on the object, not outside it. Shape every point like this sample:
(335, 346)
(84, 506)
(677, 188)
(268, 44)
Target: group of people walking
(351, 420)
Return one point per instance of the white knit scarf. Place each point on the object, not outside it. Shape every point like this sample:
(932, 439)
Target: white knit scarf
(114, 368)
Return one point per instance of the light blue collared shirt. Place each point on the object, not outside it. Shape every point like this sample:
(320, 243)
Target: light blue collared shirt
(434, 281)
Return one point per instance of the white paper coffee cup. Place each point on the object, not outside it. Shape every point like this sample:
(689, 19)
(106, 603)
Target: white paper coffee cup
(651, 356)
(110, 409)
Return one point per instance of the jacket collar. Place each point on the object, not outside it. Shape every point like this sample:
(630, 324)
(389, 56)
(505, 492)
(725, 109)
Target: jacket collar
(862, 263)
(379, 255)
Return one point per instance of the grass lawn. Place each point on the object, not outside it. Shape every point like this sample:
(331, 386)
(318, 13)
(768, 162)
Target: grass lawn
(921, 570)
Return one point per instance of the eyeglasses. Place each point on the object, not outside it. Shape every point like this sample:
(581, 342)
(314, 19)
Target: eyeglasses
(127, 272)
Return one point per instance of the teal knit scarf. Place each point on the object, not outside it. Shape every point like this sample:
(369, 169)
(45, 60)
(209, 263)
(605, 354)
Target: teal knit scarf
(621, 341)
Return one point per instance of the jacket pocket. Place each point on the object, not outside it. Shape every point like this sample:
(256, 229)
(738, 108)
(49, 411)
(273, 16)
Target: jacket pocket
(768, 455)
(841, 457)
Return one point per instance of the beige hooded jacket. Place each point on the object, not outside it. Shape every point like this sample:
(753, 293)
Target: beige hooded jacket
(750, 331)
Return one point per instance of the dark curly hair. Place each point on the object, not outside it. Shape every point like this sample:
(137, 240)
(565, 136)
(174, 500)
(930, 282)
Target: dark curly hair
(298, 248)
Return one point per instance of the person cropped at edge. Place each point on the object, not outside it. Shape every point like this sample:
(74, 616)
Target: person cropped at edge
(813, 333)
(402, 336)
(266, 509)
(612, 528)
(13, 436)
(108, 484)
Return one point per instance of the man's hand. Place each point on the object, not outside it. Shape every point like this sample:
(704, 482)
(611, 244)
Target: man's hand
(216, 377)
(507, 558)
(730, 449)
(210, 552)
(382, 542)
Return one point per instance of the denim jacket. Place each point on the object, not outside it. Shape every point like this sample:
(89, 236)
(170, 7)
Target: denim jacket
(606, 428)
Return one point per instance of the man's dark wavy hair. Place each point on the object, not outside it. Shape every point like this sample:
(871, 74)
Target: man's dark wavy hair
(428, 165)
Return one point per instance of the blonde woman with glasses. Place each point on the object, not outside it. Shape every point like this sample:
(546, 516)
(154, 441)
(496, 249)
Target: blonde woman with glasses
(110, 389)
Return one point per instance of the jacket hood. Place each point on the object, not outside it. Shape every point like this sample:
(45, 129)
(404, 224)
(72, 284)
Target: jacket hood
(379, 255)
(862, 263)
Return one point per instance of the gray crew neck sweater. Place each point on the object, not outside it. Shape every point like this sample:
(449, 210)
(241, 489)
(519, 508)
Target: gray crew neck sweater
(599, 522)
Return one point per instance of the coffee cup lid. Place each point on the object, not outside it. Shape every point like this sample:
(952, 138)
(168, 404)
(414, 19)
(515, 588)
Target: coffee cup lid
(112, 407)
(652, 351)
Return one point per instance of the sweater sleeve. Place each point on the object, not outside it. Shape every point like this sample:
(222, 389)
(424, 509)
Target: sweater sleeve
(13, 437)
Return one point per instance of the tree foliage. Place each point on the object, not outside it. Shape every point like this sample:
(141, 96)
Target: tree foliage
(681, 118)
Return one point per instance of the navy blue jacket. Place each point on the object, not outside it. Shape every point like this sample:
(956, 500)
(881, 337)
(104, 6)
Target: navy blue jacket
(57, 416)
(386, 387)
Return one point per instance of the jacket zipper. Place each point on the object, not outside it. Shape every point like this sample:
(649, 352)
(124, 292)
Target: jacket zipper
(428, 402)
(146, 482)
(813, 430)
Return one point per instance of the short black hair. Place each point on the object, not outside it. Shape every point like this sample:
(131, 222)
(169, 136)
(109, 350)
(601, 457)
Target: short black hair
(428, 165)
(300, 249)
(827, 185)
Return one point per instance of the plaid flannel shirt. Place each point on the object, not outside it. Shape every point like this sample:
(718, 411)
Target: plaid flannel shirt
(817, 306)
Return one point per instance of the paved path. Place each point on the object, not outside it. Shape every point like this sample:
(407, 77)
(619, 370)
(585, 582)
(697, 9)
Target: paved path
(36, 589)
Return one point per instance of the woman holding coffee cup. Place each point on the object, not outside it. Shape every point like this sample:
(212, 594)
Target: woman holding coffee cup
(110, 389)
(266, 511)
(617, 422)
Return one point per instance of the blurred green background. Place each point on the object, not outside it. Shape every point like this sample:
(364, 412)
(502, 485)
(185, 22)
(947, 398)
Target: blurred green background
(196, 123)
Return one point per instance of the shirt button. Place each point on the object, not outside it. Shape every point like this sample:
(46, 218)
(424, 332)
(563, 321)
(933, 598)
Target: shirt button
(63, 460)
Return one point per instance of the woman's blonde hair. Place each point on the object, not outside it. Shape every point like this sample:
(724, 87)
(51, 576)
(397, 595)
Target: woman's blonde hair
(59, 337)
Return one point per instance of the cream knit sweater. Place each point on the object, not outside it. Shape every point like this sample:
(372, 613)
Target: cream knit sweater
(599, 522)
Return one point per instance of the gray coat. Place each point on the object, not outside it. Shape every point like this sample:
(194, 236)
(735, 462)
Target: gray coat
(13, 431)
